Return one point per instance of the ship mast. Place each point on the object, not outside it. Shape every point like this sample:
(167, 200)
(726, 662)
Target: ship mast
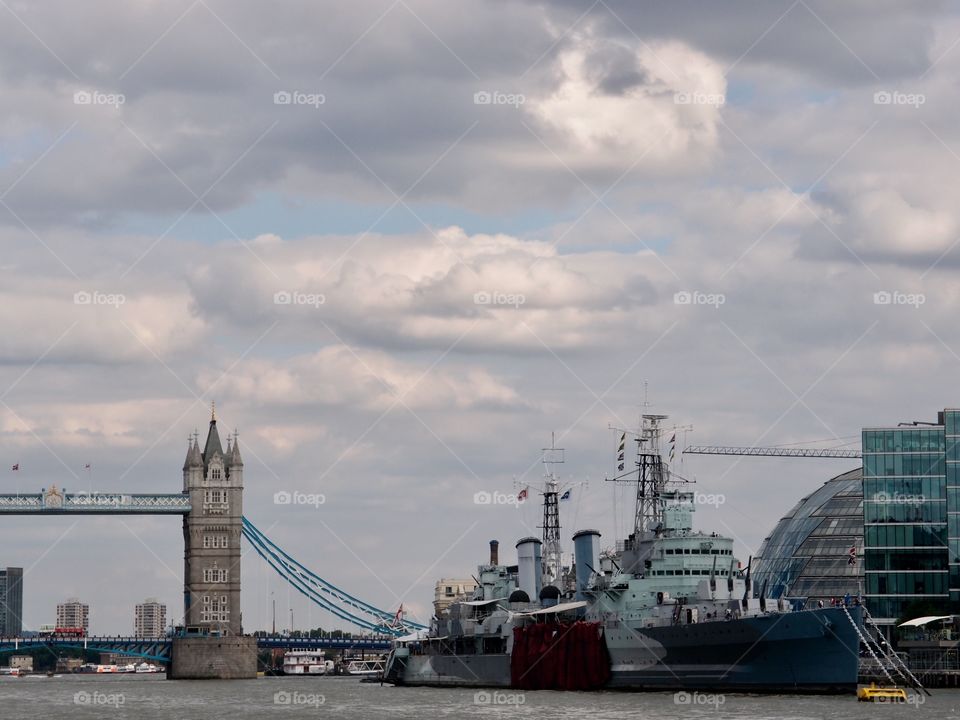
(552, 564)
(652, 477)
(651, 474)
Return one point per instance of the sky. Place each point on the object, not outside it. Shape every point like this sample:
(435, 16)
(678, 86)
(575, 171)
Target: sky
(402, 242)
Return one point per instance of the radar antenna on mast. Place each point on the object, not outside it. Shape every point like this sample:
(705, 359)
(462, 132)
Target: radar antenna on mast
(651, 473)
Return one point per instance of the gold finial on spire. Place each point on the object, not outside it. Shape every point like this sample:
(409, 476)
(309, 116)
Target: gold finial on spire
(213, 411)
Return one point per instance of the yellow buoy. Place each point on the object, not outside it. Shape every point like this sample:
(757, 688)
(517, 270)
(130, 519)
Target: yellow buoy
(881, 694)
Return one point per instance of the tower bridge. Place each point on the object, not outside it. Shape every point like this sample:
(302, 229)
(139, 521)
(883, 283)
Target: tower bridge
(211, 504)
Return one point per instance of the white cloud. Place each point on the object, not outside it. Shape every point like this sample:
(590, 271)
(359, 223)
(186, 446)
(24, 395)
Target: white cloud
(663, 115)
(373, 381)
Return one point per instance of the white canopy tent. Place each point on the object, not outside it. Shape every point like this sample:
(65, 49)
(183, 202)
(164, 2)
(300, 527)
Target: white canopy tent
(925, 620)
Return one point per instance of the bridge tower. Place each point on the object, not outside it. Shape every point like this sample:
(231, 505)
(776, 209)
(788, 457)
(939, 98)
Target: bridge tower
(213, 478)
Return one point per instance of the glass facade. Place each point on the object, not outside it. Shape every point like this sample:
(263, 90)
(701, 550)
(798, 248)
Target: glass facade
(911, 479)
(806, 557)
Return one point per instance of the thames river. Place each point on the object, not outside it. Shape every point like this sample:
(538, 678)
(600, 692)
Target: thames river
(85, 696)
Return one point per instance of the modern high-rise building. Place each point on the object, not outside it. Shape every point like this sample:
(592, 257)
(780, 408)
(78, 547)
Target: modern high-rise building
(892, 535)
(73, 614)
(150, 619)
(11, 602)
(911, 513)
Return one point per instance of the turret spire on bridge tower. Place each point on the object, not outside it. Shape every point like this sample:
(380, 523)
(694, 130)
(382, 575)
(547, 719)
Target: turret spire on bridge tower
(213, 445)
(193, 454)
(235, 459)
(186, 462)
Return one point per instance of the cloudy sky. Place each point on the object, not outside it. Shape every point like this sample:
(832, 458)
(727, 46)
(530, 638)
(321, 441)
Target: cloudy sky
(400, 242)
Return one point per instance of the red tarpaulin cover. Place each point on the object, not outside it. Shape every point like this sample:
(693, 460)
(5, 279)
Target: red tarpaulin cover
(559, 656)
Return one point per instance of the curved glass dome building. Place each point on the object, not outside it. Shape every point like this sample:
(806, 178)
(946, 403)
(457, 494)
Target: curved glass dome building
(807, 556)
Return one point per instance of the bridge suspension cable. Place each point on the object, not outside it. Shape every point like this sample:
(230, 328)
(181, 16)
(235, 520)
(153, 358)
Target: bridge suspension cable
(312, 585)
(274, 561)
(314, 579)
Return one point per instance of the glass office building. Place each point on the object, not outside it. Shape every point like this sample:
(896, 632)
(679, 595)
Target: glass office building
(911, 481)
(806, 558)
(11, 602)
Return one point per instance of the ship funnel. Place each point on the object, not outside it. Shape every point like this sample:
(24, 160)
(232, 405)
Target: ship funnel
(586, 556)
(528, 566)
(494, 552)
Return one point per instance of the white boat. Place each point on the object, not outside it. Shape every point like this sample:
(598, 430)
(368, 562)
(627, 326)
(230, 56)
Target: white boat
(148, 668)
(305, 662)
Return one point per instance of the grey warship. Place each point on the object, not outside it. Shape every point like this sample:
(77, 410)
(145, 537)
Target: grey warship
(670, 608)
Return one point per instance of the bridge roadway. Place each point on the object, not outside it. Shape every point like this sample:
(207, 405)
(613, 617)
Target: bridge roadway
(158, 649)
(59, 502)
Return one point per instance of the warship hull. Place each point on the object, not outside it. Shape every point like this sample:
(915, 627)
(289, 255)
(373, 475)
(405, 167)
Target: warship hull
(810, 651)
(476, 671)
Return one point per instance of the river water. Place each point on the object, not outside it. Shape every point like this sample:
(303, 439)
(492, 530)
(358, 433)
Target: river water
(148, 697)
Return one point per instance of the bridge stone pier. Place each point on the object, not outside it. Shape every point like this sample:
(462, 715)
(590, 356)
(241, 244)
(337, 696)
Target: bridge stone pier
(213, 482)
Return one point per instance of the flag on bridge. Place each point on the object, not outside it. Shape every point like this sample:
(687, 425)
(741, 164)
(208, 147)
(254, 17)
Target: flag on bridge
(522, 495)
(623, 443)
(566, 495)
(16, 467)
(852, 556)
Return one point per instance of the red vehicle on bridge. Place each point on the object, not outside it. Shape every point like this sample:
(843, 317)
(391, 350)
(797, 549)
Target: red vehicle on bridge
(69, 632)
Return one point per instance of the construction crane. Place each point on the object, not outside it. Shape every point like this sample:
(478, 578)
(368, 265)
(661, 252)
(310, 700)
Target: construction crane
(772, 451)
